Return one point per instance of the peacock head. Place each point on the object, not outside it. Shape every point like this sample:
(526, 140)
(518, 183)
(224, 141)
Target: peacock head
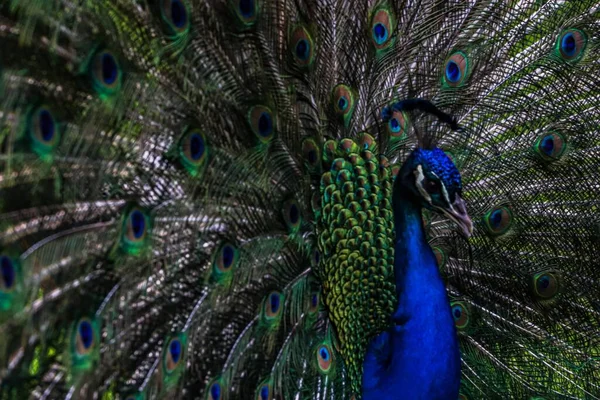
(430, 179)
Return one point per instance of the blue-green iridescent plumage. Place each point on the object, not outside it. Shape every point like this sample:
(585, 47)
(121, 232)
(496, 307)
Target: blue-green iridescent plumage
(198, 199)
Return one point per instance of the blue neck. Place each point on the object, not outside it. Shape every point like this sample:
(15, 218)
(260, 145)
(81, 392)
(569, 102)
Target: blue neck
(418, 357)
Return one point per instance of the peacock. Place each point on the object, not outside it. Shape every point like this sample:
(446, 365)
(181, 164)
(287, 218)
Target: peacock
(299, 199)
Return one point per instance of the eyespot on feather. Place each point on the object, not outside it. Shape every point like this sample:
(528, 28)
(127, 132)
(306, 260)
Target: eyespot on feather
(173, 355)
(382, 28)
(43, 130)
(136, 228)
(397, 125)
(546, 285)
(261, 122)
(246, 11)
(311, 153)
(85, 337)
(8, 275)
(440, 257)
(226, 258)
(193, 150)
(324, 358)
(313, 302)
(343, 102)
(214, 391)
(302, 47)
(292, 215)
(106, 72)
(571, 44)
(460, 313)
(264, 392)
(550, 146)
(456, 69)
(273, 304)
(498, 220)
(176, 15)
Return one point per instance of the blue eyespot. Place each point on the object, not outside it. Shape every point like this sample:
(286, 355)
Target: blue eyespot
(498, 220)
(568, 44)
(274, 301)
(324, 358)
(264, 392)
(265, 124)
(109, 69)
(261, 122)
(272, 307)
(302, 49)
(394, 125)
(225, 259)
(546, 284)
(292, 215)
(380, 33)
(342, 103)
(86, 333)
(302, 46)
(173, 354)
(247, 8)
(46, 125)
(460, 314)
(453, 73)
(138, 224)
(175, 14)
(571, 44)
(456, 69)
(381, 28)
(550, 147)
(85, 337)
(8, 272)
(106, 72)
(178, 13)
(196, 146)
(215, 391)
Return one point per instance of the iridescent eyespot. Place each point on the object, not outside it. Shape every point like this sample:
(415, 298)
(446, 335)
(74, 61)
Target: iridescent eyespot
(261, 122)
(214, 391)
(546, 285)
(366, 142)
(246, 11)
(193, 150)
(43, 130)
(264, 392)
(302, 47)
(498, 220)
(315, 258)
(397, 125)
(226, 258)
(571, 44)
(382, 28)
(85, 337)
(550, 146)
(136, 228)
(173, 354)
(106, 72)
(460, 313)
(311, 153)
(324, 358)
(176, 15)
(292, 215)
(440, 257)
(8, 275)
(343, 102)
(456, 69)
(462, 397)
(313, 302)
(273, 305)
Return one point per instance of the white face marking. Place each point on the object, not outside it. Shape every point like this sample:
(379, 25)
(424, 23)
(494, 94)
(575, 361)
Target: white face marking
(419, 178)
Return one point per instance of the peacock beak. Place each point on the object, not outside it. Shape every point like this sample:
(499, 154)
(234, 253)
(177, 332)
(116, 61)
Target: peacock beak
(458, 213)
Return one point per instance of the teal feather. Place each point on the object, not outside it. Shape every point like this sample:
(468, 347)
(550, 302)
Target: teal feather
(196, 196)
